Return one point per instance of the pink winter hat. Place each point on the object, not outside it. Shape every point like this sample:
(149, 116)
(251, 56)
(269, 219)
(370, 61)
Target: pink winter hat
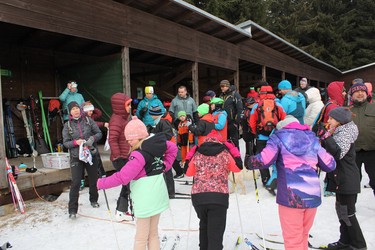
(135, 129)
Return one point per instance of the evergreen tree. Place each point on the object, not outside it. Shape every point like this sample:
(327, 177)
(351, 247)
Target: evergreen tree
(340, 33)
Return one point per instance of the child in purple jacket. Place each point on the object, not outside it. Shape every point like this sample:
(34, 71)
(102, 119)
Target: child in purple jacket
(150, 157)
(297, 154)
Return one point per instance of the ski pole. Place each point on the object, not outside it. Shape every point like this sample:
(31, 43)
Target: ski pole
(260, 212)
(111, 218)
(238, 204)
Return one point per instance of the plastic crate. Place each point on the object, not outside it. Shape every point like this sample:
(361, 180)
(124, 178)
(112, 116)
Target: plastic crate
(56, 160)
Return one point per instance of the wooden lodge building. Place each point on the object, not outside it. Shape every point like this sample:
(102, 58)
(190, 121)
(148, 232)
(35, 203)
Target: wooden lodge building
(111, 46)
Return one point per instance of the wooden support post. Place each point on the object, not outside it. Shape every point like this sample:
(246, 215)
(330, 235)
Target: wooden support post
(264, 74)
(3, 176)
(283, 75)
(125, 70)
(195, 81)
(236, 77)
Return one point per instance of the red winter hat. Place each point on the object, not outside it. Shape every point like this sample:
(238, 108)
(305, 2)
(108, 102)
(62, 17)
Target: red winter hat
(135, 129)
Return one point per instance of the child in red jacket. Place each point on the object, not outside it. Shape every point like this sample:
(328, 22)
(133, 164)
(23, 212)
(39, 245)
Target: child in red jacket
(210, 167)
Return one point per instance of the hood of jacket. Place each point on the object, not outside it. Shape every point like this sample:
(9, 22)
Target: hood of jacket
(155, 144)
(294, 96)
(296, 138)
(334, 91)
(118, 104)
(313, 95)
(348, 130)
(211, 147)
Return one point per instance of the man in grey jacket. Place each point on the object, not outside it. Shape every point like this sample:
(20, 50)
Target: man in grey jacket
(183, 102)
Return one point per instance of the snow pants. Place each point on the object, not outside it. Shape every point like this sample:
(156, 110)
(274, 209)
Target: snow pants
(212, 221)
(147, 236)
(368, 159)
(296, 224)
(77, 168)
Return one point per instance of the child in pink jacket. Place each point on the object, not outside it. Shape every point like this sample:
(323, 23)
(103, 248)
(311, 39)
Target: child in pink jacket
(150, 157)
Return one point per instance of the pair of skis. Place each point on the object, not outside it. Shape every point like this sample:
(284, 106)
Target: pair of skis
(164, 242)
(18, 202)
(248, 243)
(282, 243)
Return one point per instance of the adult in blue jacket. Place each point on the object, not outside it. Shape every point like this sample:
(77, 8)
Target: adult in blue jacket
(69, 95)
(150, 100)
(293, 102)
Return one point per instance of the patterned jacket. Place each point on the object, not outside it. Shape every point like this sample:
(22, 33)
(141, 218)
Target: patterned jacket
(297, 154)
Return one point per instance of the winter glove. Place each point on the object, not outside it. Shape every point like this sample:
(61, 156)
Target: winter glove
(93, 150)
(239, 163)
(186, 165)
(143, 111)
(90, 141)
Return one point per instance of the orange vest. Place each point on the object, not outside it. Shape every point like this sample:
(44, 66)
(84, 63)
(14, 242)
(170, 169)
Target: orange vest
(222, 134)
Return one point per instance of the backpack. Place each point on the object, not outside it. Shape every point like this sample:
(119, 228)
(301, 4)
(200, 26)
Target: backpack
(268, 116)
(318, 125)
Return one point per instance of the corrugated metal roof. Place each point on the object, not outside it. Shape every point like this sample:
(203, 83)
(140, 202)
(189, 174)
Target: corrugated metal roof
(359, 68)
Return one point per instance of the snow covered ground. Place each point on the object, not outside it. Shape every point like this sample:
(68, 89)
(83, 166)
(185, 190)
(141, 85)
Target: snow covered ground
(46, 225)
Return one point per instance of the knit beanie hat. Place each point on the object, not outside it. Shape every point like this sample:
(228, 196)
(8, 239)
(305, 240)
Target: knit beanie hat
(155, 110)
(203, 109)
(287, 120)
(72, 105)
(341, 114)
(210, 93)
(149, 90)
(284, 84)
(135, 129)
(87, 106)
(181, 113)
(357, 87)
(225, 83)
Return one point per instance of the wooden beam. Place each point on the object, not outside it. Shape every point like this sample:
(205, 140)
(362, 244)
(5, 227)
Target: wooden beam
(195, 81)
(160, 7)
(183, 16)
(30, 193)
(3, 177)
(125, 62)
(182, 72)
